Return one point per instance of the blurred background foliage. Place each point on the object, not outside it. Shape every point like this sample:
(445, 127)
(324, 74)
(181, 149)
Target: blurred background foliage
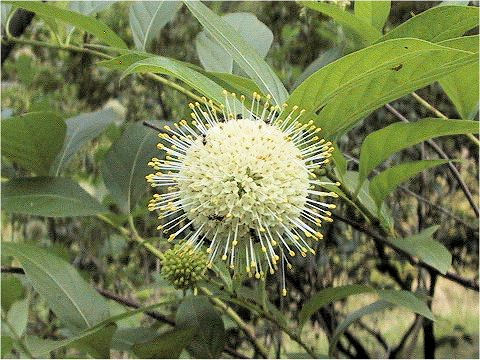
(35, 78)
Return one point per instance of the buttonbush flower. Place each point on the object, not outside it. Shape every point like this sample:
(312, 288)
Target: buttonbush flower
(241, 183)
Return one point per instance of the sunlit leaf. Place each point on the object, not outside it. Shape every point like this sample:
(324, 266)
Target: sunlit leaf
(365, 31)
(387, 181)
(374, 13)
(17, 316)
(462, 85)
(89, 7)
(338, 95)
(437, 23)
(383, 143)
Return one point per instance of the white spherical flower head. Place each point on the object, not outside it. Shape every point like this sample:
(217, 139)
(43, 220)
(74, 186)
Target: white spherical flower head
(243, 184)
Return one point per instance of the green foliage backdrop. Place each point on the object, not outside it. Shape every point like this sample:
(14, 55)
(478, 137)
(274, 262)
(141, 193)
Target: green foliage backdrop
(393, 85)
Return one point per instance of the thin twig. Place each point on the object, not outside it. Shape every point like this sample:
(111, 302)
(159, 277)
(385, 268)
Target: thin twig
(443, 155)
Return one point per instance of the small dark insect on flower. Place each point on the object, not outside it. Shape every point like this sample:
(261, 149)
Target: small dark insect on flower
(216, 217)
(204, 139)
(253, 234)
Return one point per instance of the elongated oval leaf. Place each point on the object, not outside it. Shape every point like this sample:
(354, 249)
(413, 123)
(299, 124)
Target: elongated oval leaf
(86, 23)
(212, 55)
(209, 339)
(243, 54)
(437, 23)
(125, 166)
(462, 85)
(177, 69)
(341, 93)
(374, 13)
(407, 300)
(70, 297)
(5, 11)
(365, 31)
(379, 305)
(147, 18)
(425, 248)
(165, 346)
(327, 296)
(80, 130)
(33, 140)
(387, 181)
(383, 143)
(48, 196)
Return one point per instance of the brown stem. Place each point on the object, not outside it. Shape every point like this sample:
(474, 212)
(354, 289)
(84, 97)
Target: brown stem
(468, 283)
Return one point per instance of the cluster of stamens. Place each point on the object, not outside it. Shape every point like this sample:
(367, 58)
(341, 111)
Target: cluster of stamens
(241, 182)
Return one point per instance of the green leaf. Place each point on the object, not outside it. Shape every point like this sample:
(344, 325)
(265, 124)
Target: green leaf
(48, 196)
(86, 23)
(351, 182)
(5, 11)
(374, 13)
(67, 294)
(426, 249)
(212, 55)
(383, 143)
(179, 70)
(387, 181)
(125, 338)
(165, 346)
(327, 296)
(437, 23)
(147, 18)
(407, 300)
(33, 140)
(17, 316)
(6, 346)
(209, 339)
(95, 340)
(351, 318)
(341, 93)
(82, 129)
(125, 165)
(325, 58)
(12, 290)
(243, 54)
(365, 31)
(122, 62)
(88, 7)
(462, 85)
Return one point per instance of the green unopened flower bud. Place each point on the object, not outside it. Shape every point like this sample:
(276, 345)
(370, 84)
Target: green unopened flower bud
(183, 266)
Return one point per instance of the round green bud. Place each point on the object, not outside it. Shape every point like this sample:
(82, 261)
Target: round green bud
(183, 267)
